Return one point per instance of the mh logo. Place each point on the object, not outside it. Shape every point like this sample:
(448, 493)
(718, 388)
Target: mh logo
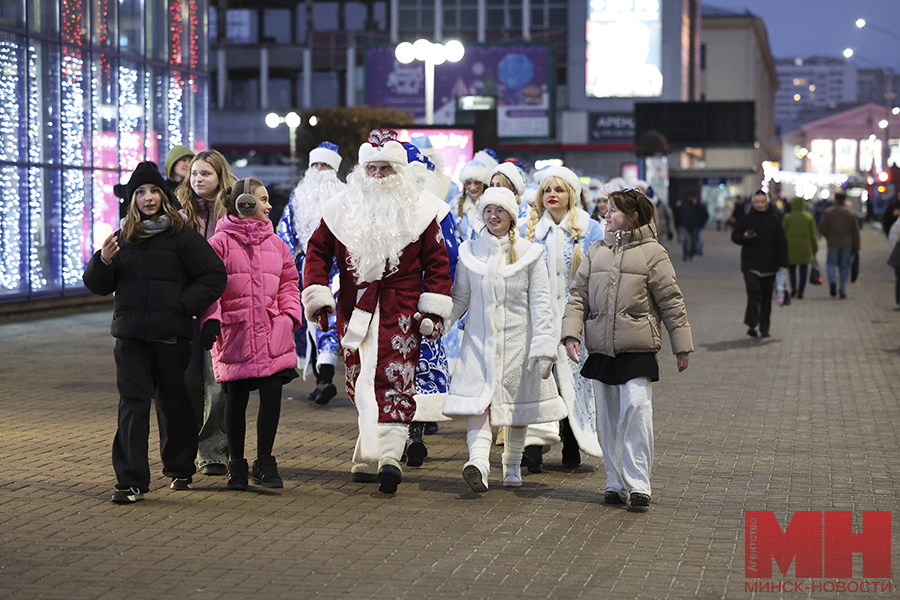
(823, 544)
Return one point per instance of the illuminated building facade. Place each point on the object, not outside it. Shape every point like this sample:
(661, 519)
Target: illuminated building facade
(90, 88)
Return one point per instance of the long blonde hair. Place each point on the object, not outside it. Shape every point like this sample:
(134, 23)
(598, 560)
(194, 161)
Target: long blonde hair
(133, 228)
(462, 198)
(571, 220)
(188, 197)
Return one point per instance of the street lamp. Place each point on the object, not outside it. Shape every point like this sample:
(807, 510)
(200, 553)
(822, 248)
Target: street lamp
(861, 23)
(293, 121)
(431, 54)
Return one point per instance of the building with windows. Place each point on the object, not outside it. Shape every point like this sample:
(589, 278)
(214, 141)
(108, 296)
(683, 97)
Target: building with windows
(277, 57)
(90, 88)
(736, 65)
(812, 86)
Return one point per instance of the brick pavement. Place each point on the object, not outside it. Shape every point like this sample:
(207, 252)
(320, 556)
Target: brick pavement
(806, 420)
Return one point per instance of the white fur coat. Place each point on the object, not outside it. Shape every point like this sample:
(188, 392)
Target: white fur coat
(509, 322)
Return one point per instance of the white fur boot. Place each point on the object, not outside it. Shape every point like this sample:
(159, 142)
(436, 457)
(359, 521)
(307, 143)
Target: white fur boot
(476, 470)
(512, 455)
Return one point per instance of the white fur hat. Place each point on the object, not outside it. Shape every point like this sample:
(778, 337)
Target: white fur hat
(487, 157)
(513, 173)
(382, 145)
(566, 175)
(502, 197)
(327, 153)
(476, 170)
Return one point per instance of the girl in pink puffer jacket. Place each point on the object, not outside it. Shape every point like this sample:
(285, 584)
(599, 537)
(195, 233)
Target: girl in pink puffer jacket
(249, 329)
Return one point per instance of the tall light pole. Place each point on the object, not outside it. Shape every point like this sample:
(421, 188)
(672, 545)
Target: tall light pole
(889, 97)
(293, 121)
(431, 54)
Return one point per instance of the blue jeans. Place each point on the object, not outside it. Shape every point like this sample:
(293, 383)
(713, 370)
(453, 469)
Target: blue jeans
(839, 259)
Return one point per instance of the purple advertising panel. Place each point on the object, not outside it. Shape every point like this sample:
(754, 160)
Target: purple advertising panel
(518, 74)
(455, 146)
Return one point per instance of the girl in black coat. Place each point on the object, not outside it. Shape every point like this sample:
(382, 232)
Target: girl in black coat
(763, 254)
(163, 273)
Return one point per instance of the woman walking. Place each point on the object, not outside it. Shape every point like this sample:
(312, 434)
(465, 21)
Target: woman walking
(509, 343)
(624, 288)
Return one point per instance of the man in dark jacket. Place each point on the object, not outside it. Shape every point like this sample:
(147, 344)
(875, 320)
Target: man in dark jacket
(693, 218)
(840, 228)
(763, 254)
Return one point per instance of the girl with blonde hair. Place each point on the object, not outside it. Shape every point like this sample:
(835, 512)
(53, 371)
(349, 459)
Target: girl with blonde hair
(510, 342)
(566, 232)
(202, 192)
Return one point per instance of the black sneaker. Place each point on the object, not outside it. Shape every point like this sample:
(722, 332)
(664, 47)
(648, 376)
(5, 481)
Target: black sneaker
(265, 472)
(832, 289)
(127, 496)
(182, 483)
(752, 332)
(612, 498)
(639, 502)
(237, 475)
(389, 477)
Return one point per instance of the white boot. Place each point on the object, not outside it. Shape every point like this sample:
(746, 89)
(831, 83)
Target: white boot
(476, 470)
(512, 455)
(512, 475)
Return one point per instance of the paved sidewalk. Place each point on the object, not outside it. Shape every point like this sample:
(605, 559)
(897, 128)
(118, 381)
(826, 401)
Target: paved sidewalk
(805, 420)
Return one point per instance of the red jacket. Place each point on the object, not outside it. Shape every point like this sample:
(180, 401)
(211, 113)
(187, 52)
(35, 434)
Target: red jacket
(260, 307)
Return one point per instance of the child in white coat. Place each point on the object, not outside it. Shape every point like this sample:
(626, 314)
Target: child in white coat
(624, 287)
(502, 376)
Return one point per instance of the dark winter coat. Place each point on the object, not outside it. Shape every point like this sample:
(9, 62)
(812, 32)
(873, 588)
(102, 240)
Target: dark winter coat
(767, 252)
(160, 284)
(694, 216)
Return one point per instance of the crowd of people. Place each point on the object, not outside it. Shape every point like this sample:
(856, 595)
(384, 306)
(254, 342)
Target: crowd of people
(529, 303)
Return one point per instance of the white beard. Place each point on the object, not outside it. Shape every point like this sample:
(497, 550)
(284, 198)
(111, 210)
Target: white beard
(307, 199)
(378, 217)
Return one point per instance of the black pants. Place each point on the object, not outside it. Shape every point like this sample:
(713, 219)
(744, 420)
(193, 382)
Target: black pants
(145, 371)
(897, 286)
(266, 422)
(759, 300)
(798, 286)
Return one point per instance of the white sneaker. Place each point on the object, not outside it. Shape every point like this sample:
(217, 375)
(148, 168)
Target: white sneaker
(512, 475)
(475, 477)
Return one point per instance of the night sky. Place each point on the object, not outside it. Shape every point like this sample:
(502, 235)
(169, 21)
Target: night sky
(803, 28)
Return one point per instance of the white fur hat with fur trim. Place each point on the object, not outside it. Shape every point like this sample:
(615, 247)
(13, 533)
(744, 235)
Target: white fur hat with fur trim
(477, 170)
(382, 145)
(565, 174)
(487, 157)
(502, 197)
(327, 153)
(513, 173)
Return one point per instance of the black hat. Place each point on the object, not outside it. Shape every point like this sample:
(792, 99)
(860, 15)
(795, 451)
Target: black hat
(145, 172)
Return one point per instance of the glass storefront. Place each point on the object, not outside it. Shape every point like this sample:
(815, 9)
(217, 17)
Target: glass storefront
(90, 88)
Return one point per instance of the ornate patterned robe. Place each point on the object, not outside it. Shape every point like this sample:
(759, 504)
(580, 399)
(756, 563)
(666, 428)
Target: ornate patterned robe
(379, 335)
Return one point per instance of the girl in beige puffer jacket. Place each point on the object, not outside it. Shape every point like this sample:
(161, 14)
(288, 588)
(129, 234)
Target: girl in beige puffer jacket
(624, 289)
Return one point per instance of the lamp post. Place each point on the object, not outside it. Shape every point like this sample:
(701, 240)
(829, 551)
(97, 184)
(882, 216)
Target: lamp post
(293, 121)
(862, 23)
(431, 54)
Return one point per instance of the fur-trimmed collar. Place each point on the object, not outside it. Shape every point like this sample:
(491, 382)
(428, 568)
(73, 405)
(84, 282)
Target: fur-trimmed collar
(479, 254)
(545, 223)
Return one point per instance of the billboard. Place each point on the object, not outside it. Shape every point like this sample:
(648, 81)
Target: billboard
(455, 146)
(624, 49)
(521, 76)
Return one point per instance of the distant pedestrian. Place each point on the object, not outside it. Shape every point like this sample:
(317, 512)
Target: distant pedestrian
(763, 254)
(840, 228)
(893, 240)
(163, 274)
(800, 230)
(623, 291)
(250, 328)
(694, 216)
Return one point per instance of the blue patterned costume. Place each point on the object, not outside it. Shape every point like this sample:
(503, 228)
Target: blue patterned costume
(327, 346)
